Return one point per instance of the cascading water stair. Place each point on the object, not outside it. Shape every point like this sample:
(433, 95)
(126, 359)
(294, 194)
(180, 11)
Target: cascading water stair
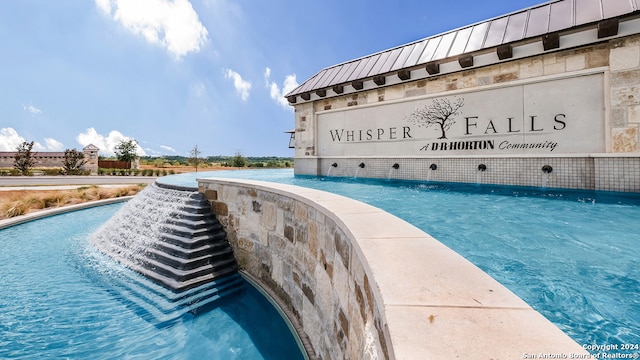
(162, 306)
(172, 238)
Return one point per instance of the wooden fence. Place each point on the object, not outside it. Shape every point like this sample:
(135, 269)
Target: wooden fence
(114, 164)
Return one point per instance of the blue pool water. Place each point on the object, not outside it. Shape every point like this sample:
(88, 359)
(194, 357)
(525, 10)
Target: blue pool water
(571, 255)
(55, 303)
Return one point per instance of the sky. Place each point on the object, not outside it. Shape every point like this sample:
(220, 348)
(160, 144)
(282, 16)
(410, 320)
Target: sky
(173, 74)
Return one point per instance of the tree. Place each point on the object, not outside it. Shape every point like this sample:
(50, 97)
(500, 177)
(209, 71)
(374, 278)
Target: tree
(126, 150)
(24, 158)
(440, 112)
(238, 160)
(73, 161)
(195, 158)
(160, 162)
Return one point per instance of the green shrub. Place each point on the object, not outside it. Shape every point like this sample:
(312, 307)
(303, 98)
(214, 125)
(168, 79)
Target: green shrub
(52, 171)
(238, 160)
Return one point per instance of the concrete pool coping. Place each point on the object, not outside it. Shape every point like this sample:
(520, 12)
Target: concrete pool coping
(5, 223)
(436, 304)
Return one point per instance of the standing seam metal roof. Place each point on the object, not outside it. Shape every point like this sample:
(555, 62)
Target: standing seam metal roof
(535, 21)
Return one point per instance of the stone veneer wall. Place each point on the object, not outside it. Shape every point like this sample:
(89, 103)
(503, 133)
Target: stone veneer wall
(624, 66)
(46, 159)
(309, 261)
(618, 59)
(42, 160)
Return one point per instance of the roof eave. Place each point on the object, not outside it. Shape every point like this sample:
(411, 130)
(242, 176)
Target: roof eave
(503, 49)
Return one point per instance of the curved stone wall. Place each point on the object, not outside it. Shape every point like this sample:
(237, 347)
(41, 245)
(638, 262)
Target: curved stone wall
(364, 284)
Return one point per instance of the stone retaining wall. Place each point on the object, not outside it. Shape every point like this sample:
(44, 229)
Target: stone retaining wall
(308, 261)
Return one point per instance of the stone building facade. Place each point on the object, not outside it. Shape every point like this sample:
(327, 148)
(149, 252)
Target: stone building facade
(51, 159)
(532, 98)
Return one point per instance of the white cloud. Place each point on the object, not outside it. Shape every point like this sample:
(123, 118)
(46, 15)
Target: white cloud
(38, 147)
(104, 5)
(152, 152)
(106, 144)
(168, 148)
(32, 109)
(267, 75)
(276, 93)
(172, 24)
(53, 144)
(10, 139)
(242, 86)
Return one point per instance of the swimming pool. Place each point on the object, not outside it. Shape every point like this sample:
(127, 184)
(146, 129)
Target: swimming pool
(571, 255)
(58, 300)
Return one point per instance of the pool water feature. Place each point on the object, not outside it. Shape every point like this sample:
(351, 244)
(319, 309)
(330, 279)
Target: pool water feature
(61, 298)
(171, 237)
(571, 255)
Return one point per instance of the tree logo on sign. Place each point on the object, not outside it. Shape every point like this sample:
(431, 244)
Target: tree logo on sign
(440, 112)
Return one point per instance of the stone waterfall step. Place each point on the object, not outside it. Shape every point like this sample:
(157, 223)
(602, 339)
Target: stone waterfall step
(162, 306)
(171, 237)
(171, 277)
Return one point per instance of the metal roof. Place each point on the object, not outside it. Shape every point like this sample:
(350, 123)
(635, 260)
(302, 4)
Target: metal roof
(536, 21)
